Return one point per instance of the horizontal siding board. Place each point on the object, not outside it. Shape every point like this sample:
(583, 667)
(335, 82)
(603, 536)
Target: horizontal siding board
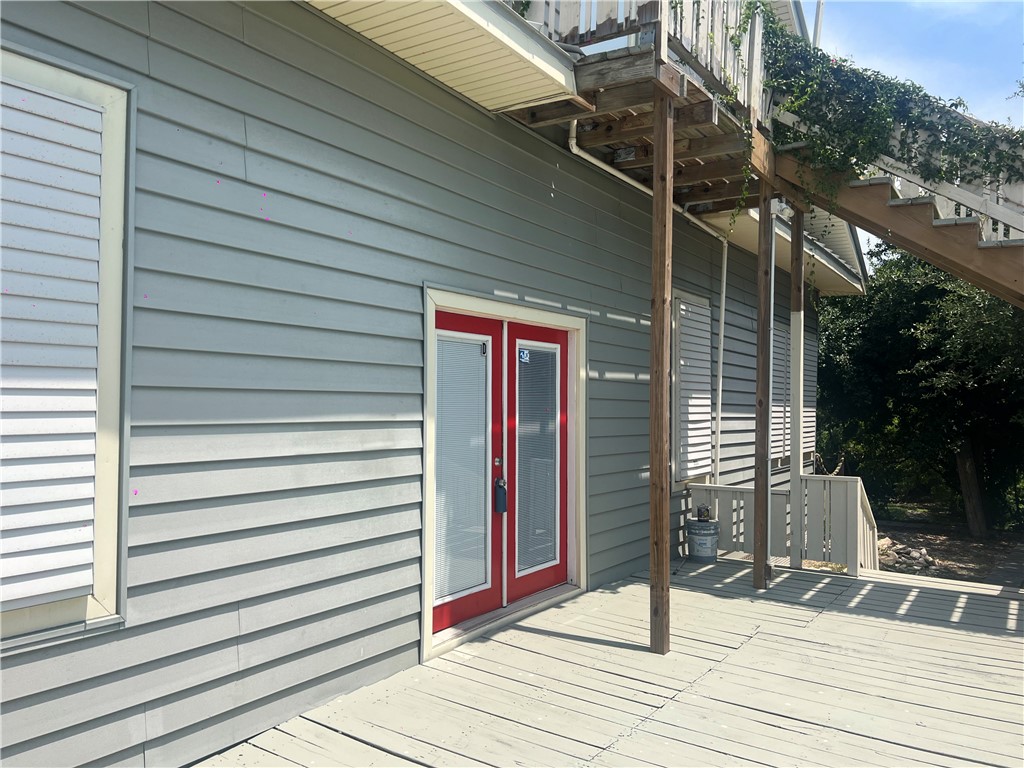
(302, 602)
(31, 673)
(152, 564)
(157, 405)
(230, 300)
(253, 715)
(207, 370)
(196, 592)
(156, 485)
(178, 713)
(164, 523)
(89, 741)
(381, 609)
(319, 272)
(37, 715)
(220, 158)
(176, 445)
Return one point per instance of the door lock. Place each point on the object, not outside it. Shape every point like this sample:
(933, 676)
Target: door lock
(500, 495)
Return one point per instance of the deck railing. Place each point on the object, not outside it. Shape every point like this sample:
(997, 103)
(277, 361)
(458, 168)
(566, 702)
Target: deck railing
(700, 32)
(997, 202)
(834, 524)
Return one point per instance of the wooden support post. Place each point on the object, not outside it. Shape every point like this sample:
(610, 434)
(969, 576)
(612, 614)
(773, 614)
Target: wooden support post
(661, 334)
(796, 388)
(763, 384)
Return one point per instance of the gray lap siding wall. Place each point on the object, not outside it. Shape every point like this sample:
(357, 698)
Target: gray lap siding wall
(295, 188)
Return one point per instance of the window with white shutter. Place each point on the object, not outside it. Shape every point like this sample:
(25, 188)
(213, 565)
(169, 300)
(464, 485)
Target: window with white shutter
(691, 387)
(62, 138)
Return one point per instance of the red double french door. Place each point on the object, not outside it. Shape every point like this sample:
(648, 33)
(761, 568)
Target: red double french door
(501, 464)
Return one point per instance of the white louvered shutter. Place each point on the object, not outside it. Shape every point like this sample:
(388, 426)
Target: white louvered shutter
(810, 391)
(49, 308)
(691, 387)
(781, 395)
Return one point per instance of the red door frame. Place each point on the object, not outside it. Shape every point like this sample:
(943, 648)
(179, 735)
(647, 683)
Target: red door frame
(455, 611)
(520, 587)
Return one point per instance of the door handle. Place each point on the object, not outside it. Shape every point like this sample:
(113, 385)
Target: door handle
(500, 495)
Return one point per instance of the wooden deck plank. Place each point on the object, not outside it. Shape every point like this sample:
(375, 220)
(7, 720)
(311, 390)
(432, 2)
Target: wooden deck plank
(248, 755)
(883, 670)
(907, 727)
(820, 670)
(338, 748)
(604, 712)
(849, 748)
(564, 679)
(402, 737)
(582, 675)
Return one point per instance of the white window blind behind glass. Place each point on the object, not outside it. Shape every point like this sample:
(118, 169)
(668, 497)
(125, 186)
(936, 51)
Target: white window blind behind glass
(49, 249)
(461, 531)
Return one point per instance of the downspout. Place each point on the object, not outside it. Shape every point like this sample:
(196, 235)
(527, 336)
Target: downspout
(575, 149)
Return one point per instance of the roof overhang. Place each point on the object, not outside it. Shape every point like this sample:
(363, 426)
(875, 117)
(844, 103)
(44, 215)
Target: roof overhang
(826, 272)
(482, 50)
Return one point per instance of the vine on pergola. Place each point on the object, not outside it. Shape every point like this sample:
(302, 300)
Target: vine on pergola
(852, 116)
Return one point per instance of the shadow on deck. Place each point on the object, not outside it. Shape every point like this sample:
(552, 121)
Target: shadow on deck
(820, 670)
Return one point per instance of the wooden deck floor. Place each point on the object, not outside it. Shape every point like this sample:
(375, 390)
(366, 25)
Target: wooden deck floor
(884, 670)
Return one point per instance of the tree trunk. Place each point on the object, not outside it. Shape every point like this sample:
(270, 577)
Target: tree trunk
(970, 488)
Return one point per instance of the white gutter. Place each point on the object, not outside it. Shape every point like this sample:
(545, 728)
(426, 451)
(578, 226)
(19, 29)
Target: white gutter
(575, 149)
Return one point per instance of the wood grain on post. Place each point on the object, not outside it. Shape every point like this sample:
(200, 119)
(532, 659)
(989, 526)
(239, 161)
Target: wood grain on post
(762, 390)
(661, 324)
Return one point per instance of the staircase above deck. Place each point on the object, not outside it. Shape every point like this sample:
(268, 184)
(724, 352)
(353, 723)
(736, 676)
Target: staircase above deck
(954, 244)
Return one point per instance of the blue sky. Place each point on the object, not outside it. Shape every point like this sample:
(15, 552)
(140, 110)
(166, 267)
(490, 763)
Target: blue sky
(972, 50)
(969, 50)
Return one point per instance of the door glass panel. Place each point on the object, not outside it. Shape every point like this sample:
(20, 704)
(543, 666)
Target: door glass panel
(537, 457)
(461, 533)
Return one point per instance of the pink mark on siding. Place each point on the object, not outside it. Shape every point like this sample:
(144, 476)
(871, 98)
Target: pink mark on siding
(145, 295)
(135, 491)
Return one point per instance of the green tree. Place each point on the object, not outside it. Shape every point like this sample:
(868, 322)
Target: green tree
(922, 386)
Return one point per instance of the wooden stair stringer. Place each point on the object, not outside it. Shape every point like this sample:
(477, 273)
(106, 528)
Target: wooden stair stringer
(954, 249)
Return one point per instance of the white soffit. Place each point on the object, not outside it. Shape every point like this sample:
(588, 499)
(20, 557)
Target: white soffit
(482, 50)
(832, 279)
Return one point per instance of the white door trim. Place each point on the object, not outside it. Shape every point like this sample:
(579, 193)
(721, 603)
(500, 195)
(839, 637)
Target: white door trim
(444, 300)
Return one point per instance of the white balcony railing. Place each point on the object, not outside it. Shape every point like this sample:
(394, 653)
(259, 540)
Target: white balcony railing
(701, 34)
(834, 524)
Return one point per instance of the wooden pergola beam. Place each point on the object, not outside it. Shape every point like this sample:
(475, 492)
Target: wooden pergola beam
(684, 149)
(603, 102)
(713, 192)
(720, 169)
(700, 115)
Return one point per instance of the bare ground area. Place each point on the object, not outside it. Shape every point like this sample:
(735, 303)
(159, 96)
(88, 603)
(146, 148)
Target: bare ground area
(955, 555)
